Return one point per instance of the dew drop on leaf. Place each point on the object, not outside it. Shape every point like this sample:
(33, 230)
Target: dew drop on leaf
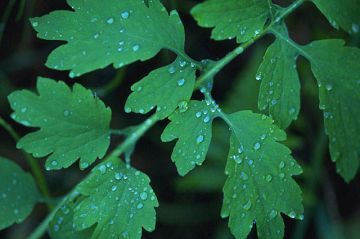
(247, 205)
(125, 15)
(200, 139)
(181, 82)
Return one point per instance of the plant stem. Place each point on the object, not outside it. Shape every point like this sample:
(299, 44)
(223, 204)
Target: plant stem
(41, 229)
(33, 164)
(312, 181)
(113, 84)
(134, 136)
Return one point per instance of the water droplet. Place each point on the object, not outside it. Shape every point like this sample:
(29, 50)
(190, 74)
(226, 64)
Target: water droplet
(291, 110)
(244, 176)
(23, 110)
(66, 113)
(143, 195)
(125, 15)
(247, 205)
(113, 188)
(183, 106)
(181, 82)
(198, 114)
(84, 165)
(139, 206)
(268, 178)
(274, 102)
(135, 48)
(102, 168)
(258, 77)
(282, 164)
(182, 63)
(257, 146)
(355, 28)
(241, 149)
(120, 49)
(292, 214)
(54, 163)
(118, 176)
(96, 36)
(35, 24)
(200, 139)
(172, 69)
(329, 87)
(239, 50)
(16, 211)
(110, 20)
(127, 109)
(206, 119)
(273, 214)
(56, 227)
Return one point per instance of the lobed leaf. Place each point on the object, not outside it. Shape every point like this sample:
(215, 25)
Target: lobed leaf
(73, 123)
(191, 125)
(344, 13)
(165, 88)
(118, 202)
(260, 184)
(61, 226)
(18, 193)
(243, 19)
(280, 86)
(100, 33)
(336, 69)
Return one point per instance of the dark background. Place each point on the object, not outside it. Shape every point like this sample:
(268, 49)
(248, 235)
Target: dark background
(189, 206)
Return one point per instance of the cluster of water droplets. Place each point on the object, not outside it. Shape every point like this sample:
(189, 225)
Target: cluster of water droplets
(126, 190)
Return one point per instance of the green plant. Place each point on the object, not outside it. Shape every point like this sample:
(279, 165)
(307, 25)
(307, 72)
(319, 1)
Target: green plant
(115, 200)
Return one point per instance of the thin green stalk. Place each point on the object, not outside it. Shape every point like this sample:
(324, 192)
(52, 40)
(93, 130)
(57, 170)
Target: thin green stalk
(134, 136)
(113, 84)
(33, 164)
(312, 182)
(41, 229)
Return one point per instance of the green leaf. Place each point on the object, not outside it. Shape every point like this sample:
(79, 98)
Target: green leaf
(119, 200)
(73, 123)
(260, 184)
(61, 226)
(280, 85)
(336, 69)
(344, 13)
(191, 125)
(18, 193)
(243, 19)
(165, 88)
(100, 33)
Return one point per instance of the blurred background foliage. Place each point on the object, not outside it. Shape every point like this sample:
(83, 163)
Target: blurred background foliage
(189, 206)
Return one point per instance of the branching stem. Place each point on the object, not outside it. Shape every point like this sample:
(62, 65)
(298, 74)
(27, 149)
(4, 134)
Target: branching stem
(147, 124)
